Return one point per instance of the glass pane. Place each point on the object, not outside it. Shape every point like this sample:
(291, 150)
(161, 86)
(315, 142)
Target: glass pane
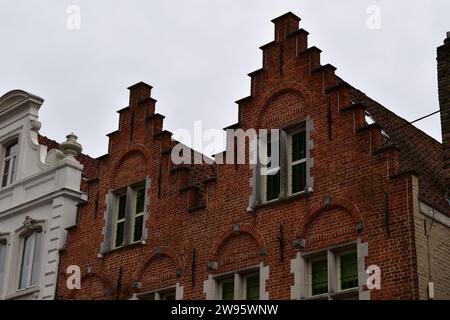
(299, 146)
(6, 167)
(147, 296)
(122, 206)
(13, 160)
(252, 290)
(25, 264)
(11, 149)
(140, 197)
(298, 177)
(228, 290)
(5, 180)
(36, 267)
(119, 234)
(273, 186)
(138, 225)
(168, 295)
(349, 270)
(319, 277)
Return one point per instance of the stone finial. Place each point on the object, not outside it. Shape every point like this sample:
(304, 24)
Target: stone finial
(71, 147)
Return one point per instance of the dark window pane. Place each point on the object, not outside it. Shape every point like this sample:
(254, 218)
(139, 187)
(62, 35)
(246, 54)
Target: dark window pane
(299, 146)
(4, 180)
(119, 234)
(349, 271)
(11, 149)
(147, 296)
(138, 225)
(140, 197)
(6, 166)
(228, 290)
(319, 277)
(122, 206)
(168, 295)
(273, 186)
(252, 290)
(298, 177)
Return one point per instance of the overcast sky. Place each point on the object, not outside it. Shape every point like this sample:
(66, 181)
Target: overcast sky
(196, 55)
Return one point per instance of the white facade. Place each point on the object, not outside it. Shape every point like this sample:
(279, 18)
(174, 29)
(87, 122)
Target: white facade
(39, 193)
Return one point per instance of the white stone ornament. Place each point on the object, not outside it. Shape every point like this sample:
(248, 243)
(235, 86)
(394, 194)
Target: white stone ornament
(71, 148)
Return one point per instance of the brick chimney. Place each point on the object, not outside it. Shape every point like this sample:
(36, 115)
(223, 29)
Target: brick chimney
(443, 62)
(284, 25)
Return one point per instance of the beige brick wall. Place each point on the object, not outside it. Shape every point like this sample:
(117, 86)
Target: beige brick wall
(432, 232)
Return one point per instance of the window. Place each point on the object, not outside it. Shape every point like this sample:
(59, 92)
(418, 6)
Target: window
(120, 220)
(9, 162)
(251, 287)
(168, 294)
(271, 175)
(333, 274)
(139, 215)
(128, 215)
(227, 289)
(297, 162)
(30, 260)
(248, 284)
(348, 270)
(319, 277)
(289, 177)
(3, 247)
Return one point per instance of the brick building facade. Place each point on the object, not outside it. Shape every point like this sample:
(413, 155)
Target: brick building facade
(356, 187)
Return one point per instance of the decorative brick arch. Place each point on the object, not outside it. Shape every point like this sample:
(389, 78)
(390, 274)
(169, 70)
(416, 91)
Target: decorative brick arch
(278, 90)
(328, 203)
(104, 280)
(156, 253)
(234, 230)
(129, 150)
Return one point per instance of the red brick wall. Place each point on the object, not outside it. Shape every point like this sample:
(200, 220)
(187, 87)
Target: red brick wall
(352, 169)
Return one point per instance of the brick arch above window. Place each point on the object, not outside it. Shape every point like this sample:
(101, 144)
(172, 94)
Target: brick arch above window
(278, 90)
(328, 203)
(127, 153)
(155, 253)
(234, 230)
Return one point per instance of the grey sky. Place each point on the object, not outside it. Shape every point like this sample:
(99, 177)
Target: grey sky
(196, 55)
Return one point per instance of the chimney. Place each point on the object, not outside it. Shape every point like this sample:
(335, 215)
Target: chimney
(139, 92)
(284, 25)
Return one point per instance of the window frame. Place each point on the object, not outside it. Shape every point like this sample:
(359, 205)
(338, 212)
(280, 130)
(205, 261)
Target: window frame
(240, 287)
(35, 251)
(338, 269)
(134, 215)
(273, 171)
(12, 170)
(159, 294)
(321, 257)
(117, 195)
(291, 164)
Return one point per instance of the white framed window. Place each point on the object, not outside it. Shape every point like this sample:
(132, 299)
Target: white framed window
(318, 276)
(270, 176)
(30, 259)
(239, 286)
(297, 162)
(119, 220)
(9, 163)
(347, 270)
(288, 177)
(128, 215)
(169, 293)
(333, 274)
(138, 213)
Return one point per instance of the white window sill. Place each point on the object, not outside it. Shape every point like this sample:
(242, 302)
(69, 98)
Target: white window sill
(22, 292)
